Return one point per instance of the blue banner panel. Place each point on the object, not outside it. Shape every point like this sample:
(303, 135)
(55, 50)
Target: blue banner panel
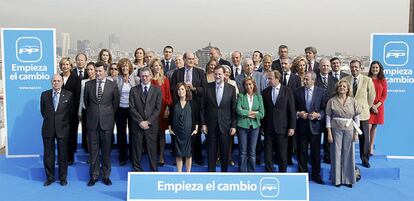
(28, 65)
(396, 53)
(217, 186)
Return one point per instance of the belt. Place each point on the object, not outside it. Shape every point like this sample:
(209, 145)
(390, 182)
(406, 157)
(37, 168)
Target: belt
(348, 123)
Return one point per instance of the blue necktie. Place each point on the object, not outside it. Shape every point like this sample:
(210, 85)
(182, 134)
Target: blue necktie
(308, 99)
(55, 100)
(219, 94)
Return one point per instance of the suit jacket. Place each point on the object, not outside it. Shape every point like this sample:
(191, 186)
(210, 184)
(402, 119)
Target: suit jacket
(365, 95)
(281, 116)
(145, 109)
(331, 90)
(102, 113)
(342, 74)
(56, 121)
(258, 78)
(132, 80)
(224, 62)
(85, 74)
(243, 109)
(199, 81)
(277, 66)
(172, 66)
(315, 67)
(294, 81)
(73, 84)
(318, 104)
(223, 115)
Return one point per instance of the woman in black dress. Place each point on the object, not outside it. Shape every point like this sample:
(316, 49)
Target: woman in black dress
(182, 126)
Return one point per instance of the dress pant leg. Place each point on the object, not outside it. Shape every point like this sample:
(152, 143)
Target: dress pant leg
(212, 149)
(364, 141)
(63, 157)
(290, 148)
(242, 139)
(268, 147)
(93, 153)
(282, 144)
(303, 141)
(326, 146)
(224, 139)
(315, 146)
(49, 157)
(151, 137)
(121, 117)
(73, 137)
(84, 131)
(136, 145)
(259, 146)
(106, 142)
(196, 146)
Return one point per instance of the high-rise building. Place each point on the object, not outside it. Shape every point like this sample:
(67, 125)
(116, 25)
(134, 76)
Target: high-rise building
(65, 44)
(114, 44)
(203, 55)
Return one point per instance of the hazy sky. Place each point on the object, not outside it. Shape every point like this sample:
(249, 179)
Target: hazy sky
(247, 25)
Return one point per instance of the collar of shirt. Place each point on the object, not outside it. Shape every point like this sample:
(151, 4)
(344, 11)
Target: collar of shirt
(103, 81)
(146, 85)
(310, 88)
(277, 87)
(357, 77)
(187, 68)
(58, 91)
(168, 60)
(324, 76)
(287, 73)
(221, 84)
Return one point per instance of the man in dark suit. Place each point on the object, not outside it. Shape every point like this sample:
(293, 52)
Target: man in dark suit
(218, 118)
(327, 82)
(168, 62)
(80, 72)
(292, 81)
(216, 55)
(236, 67)
(196, 80)
(336, 69)
(248, 71)
(283, 54)
(56, 107)
(279, 121)
(145, 107)
(310, 106)
(312, 65)
(101, 97)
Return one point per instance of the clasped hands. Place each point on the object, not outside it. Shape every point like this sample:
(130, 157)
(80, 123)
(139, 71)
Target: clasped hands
(310, 116)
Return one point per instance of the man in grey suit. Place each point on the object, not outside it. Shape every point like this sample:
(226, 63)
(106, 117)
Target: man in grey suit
(101, 99)
(336, 69)
(145, 107)
(56, 107)
(248, 71)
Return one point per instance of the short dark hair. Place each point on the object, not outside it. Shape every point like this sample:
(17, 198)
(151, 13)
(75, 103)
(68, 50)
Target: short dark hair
(220, 67)
(283, 47)
(355, 61)
(334, 58)
(101, 63)
(188, 94)
(277, 74)
(260, 53)
(91, 63)
(168, 47)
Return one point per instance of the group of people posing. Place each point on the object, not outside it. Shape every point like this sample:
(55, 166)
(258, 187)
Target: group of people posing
(290, 103)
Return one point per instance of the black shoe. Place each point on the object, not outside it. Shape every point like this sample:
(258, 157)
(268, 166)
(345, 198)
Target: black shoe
(161, 164)
(70, 163)
(107, 181)
(122, 163)
(258, 162)
(63, 182)
(338, 185)
(327, 161)
(319, 181)
(290, 162)
(348, 185)
(48, 182)
(366, 164)
(92, 182)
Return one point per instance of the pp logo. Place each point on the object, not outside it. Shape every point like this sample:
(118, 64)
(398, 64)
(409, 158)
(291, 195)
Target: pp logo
(396, 53)
(28, 49)
(269, 187)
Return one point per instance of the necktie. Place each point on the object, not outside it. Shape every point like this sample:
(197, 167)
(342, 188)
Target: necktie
(237, 71)
(167, 65)
(81, 74)
(308, 99)
(145, 91)
(187, 76)
(219, 94)
(55, 100)
(309, 66)
(274, 95)
(336, 75)
(99, 90)
(355, 86)
(324, 82)
(284, 79)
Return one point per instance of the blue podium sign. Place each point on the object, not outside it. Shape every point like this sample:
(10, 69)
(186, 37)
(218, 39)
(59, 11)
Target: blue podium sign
(28, 65)
(396, 54)
(217, 186)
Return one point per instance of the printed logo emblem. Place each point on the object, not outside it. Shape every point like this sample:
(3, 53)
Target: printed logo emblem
(28, 49)
(269, 187)
(396, 53)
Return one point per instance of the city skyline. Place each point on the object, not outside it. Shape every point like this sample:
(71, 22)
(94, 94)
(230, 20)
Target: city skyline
(330, 26)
